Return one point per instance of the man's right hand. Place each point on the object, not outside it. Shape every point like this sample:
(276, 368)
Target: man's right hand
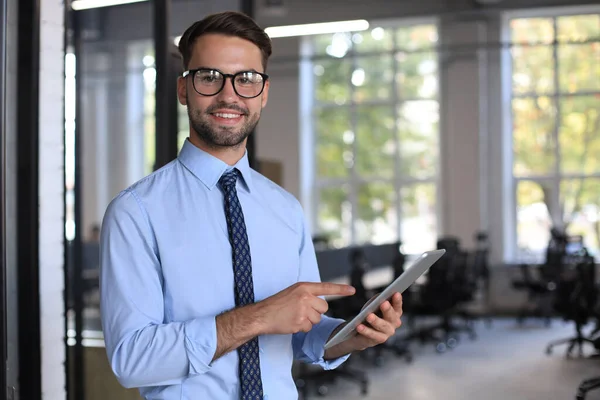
(297, 308)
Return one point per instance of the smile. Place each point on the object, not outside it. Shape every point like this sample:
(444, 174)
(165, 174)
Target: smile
(227, 115)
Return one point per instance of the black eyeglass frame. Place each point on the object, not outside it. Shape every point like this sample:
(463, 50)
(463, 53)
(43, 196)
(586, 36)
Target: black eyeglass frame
(192, 73)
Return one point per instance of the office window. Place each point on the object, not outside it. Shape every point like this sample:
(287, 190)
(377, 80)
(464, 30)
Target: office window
(375, 129)
(555, 129)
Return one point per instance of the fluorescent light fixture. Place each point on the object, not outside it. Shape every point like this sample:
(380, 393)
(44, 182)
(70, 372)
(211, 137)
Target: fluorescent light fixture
(87, 4)
(317, 29)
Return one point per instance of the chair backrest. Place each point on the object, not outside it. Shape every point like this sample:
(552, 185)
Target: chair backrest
(577, 293)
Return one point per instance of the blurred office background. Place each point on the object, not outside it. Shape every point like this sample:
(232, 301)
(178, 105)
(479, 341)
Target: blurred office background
(469, 125)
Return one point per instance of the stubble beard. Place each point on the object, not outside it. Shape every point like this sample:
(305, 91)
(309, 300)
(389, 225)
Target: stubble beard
(219, 137)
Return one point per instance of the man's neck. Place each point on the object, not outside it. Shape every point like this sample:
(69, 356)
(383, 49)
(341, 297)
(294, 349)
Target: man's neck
(229, 155)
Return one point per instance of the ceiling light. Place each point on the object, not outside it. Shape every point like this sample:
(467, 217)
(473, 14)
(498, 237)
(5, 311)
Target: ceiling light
(87, 4)
(317, 29)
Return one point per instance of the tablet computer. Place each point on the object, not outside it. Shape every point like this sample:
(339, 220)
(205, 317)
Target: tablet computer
(410, 275)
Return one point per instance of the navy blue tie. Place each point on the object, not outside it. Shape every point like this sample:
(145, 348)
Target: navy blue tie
(244, 287)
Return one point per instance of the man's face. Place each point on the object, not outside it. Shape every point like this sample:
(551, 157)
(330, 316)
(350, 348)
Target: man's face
(225, 119)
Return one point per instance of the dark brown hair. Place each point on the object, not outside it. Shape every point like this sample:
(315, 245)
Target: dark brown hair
(230, 23)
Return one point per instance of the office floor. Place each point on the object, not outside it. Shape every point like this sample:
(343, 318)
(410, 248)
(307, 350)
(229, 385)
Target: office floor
(506, 362)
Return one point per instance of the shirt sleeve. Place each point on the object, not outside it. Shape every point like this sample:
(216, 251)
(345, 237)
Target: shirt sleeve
(142, 349)
(310, 347)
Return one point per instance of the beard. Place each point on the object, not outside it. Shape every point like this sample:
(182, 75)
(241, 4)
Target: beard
(221, 136)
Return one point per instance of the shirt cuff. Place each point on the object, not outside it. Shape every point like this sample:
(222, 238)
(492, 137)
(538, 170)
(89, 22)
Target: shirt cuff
(314, 345)
(200, 343)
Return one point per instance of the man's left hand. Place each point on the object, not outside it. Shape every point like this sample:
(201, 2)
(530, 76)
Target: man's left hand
(379, 329)
(376, 331)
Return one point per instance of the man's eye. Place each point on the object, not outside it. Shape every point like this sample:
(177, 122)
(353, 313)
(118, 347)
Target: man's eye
(248, 79)
(208, 78)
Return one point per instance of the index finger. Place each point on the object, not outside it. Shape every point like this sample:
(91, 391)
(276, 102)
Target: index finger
(330, 289)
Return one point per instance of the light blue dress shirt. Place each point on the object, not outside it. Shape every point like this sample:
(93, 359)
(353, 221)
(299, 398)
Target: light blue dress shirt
(166, 272)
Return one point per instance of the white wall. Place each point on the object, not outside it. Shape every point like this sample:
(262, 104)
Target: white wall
(51, 191)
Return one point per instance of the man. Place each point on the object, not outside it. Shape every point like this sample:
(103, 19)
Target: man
(210, 286)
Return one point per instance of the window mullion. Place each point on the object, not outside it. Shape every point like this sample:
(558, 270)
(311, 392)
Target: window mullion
(353, 174)
(397, 144)
(556, 212)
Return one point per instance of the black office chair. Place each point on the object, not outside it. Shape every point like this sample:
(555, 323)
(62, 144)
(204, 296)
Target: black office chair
(540, 289)
(586, 386)
(397, 345)
(538, 294)
(446, 289)
(481, 270)
(576, 299)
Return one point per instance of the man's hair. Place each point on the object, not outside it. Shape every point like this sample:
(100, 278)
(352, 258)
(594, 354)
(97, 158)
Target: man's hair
(229, 23)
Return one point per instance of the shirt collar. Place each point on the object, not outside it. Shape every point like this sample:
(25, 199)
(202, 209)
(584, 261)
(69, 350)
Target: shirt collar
(209, 169)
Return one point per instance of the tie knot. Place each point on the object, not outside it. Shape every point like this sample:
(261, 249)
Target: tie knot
(228, 179)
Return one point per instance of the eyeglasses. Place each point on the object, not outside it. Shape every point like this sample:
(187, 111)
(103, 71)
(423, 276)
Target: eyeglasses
(209, 82)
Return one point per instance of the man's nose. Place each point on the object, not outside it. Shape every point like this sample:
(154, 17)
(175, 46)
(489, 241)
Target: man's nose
(228, 93)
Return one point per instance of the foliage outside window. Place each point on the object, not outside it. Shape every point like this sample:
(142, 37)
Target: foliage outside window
(376, 133)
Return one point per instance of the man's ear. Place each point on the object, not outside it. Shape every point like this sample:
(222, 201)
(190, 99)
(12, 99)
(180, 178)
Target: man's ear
(182, 90)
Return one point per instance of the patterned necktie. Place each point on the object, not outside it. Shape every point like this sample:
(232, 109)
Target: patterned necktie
(244, 287)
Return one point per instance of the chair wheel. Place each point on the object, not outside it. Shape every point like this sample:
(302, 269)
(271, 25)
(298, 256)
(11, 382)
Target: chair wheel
(452, 343)
(441, 348)
(549, 350)
(322, 390)
(364, 390)
(409, 358)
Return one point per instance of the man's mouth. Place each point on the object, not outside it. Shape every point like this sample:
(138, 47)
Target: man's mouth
(227, 118)
(227, 115)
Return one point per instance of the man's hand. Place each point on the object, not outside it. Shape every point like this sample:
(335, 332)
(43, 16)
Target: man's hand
(292, 310)
(377, 330)
(297, 308)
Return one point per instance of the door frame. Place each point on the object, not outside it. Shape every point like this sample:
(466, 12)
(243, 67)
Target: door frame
(28, 187)
(3, 286)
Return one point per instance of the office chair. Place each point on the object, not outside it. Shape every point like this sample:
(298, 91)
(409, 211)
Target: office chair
(538, 294)
(540, 290)
(576, 297)
(481, 270)
(586, 386)
(447, 287)
(361, 265)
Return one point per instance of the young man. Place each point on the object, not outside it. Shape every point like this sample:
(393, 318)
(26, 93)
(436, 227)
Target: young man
(209, 282)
